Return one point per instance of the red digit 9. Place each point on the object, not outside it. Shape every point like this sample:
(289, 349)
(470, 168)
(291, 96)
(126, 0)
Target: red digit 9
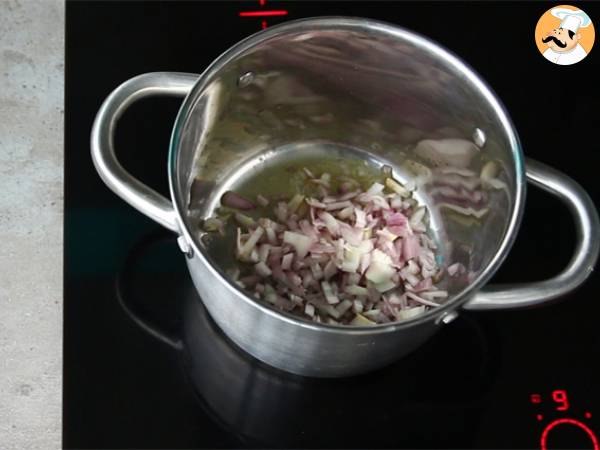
(560, 397)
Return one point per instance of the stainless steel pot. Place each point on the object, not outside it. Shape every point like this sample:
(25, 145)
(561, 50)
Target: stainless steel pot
(349, 87)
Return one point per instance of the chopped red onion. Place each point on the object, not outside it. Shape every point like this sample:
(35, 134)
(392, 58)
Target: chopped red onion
(417, 216)
(244, 220)
(421, 300)
(358, 291)
(410, 247)
(456, 269)
(295, 203)
(234, 200)
(262, 269)
(299, 241)
(330, 222)
(307, 278)
(331, 298)
(330, 269)
(309, 310)
(346, 212)
(316, 271)
(250, 243)
(286, 261)
(365, 261)
(338, 205)
(409, 313)
(281, 211)
(262, 201)
(361, 218)
(308, 172)
(376, 188)
(315, 203)
(343, 307)
(423, 285)
(349, 256)
(354, 236)
(295, 279)
(357, 306)
(396, 187)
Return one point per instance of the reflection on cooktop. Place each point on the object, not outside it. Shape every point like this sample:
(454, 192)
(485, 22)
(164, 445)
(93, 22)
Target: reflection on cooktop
(442, 383)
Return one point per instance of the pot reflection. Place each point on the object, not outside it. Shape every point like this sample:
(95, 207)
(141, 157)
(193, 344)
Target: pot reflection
(444, 382)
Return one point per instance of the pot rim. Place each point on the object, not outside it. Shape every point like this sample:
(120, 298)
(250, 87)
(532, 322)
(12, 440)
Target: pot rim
(350, 23)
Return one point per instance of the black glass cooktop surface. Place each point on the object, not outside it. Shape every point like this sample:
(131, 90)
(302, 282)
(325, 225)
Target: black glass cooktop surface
(487, 380)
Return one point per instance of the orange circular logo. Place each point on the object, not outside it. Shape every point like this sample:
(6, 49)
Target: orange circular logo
(564, 35)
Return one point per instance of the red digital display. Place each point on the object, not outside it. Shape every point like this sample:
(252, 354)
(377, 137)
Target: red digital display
(559, 402)
(560, 397)
(261, 13)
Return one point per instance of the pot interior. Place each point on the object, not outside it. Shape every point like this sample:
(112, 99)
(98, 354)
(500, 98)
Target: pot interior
(354, 90)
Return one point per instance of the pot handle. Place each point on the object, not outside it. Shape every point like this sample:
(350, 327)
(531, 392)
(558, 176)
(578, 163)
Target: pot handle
(121, 182)
(587, 230)
(124, 292)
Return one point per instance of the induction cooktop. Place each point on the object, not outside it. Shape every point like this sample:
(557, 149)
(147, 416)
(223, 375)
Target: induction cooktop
(504, 379)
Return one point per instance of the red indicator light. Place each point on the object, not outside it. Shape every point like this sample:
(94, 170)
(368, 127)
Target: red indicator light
(552, 425)
(539, 417)
(561, 397)
(263, 13)
(588, 415)
(267, 13)
(535, 398)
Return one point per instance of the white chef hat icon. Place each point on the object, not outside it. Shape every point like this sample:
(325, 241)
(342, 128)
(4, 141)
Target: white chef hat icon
(571, 19)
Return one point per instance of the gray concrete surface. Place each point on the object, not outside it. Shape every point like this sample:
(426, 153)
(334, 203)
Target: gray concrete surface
(31, 190)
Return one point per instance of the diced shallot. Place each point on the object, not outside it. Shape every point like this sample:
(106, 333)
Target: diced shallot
(300, 242)
(421, 300)
(357, 306)
(361, 218)
(316, 271)
(410, 247)
(352, 257)
(249, 245)
(262, 269)
(343, 307)
(286, 261)
(262, 201)
(295, 203)
(410, 312)
(396, 187)
(339, 257)
(234, 200)
(331, 298)
(330, 269)
(338, 205)
(456, 269)
(244, 220)
(417, 216)
(309, 310)
(357, 290)
(330, 222)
